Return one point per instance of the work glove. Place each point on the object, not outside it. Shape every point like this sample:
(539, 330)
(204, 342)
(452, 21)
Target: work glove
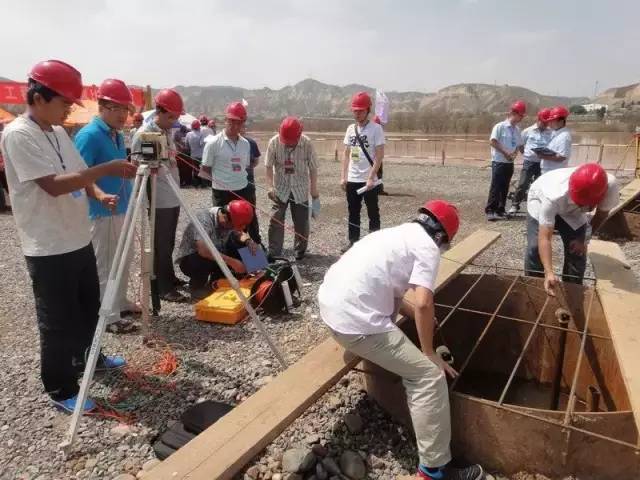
(315, 207)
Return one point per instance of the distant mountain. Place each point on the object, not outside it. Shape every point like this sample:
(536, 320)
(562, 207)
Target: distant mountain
(311, 98)
(619, 97)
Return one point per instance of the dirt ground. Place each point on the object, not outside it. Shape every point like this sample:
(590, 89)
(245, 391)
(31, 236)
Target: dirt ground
(218, 362)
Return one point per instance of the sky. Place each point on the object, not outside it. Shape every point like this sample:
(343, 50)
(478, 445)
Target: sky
(555, 47)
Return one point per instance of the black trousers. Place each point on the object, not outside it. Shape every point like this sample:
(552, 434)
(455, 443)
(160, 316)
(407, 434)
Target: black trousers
(223, 197)
(530, 171)
(185, 170)
(67, 298)
(501, 174)
(354, 204)
(164, 243)
(200, 270)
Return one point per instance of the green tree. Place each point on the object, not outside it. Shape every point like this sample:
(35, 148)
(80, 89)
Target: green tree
(577, 109)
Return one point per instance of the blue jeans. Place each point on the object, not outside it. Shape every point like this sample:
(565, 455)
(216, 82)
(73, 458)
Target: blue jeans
(574, 264)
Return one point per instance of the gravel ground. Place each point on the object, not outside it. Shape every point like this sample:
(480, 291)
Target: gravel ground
(227, 363)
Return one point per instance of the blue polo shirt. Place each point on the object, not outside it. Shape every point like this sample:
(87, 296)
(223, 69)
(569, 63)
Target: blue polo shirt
(97, 144)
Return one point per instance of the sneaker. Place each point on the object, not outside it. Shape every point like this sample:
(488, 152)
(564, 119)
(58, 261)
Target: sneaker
(491, 217)
(473, 472)
(179, 282)
(110, 362)
(122, 326)
(514, 209)
(174, 296)
(69, 405)
(500, 216)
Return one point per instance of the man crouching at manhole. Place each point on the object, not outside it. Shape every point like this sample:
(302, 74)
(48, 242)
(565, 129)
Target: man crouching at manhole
(359, 298)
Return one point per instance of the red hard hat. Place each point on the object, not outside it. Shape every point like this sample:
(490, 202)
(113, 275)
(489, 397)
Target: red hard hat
(588, 185)
(138, 116)
(195, 125)
(203, 120)
(290, 131)
(543, 115)
(115, 91)
(360, 101)
(236, 111)
(377, 120)
(240, 214)
(519, 107)
(60, 77)
(558, 112)
(446, 214)
(170, 100)
(212, 123)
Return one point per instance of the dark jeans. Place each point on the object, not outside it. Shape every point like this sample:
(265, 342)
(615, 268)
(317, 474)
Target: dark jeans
(530, 171)
(185, 170)
(223, 197)
(354, 204)
(380, 172)
(501, 174)
(67, 298)
(200, 270)
(574, 265)
(300, 217)
(164, 243)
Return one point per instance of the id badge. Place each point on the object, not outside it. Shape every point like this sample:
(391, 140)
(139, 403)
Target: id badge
(289, 167)
(355, 154)
(236, 164)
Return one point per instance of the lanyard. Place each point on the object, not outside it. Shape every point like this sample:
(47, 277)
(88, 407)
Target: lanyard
(57, 150)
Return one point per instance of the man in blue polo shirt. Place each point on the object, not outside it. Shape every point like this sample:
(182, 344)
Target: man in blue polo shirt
(101, 141)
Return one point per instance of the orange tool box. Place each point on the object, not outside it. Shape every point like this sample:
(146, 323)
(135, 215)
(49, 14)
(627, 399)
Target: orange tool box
(224, 305)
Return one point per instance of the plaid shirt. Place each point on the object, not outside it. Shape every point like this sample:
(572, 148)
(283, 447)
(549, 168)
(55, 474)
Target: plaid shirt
(292, 168)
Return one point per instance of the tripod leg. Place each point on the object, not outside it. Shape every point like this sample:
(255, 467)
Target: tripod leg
(115, 277)
(225, 270)
(155, 295)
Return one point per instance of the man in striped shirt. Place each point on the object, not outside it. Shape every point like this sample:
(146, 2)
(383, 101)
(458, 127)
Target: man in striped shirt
(292, 168)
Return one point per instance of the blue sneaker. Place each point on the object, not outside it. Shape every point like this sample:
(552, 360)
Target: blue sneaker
(110, 362)
(69, 405)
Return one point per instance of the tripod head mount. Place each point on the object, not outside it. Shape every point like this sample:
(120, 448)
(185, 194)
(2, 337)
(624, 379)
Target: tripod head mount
(154, 148)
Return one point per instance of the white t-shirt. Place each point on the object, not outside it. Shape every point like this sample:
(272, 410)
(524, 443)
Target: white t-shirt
(549, 196)
(561, 144)
(372, 136)
(47, 225)
(360, 292)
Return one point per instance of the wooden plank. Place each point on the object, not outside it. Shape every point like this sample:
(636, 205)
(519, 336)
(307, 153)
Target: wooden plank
(223, 449)
(630, 191)
(619, 293)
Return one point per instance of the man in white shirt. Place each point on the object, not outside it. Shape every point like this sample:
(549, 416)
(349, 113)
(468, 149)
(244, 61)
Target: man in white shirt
(205, 125)
(292, 173)
(362, 158)
(194, 141)
(505, 142)
(169, 107)
(49, 183)
(535, 136)
(560, 142)
(359, 299)
(561, 199)
(226, 158)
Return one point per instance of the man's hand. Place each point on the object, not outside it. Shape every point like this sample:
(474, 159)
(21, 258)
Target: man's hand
(577, 247)
(370, 183)
(121, 168)
(252, 246)
(236, 265)
(343, 184)
(444, 366)
(512, 156)
(550, 282)
(272, 196)
(109, 201)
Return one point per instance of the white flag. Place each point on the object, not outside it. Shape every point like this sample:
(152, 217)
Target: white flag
(382, 106)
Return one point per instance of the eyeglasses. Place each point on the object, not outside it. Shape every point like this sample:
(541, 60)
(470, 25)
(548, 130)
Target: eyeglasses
(117, 108)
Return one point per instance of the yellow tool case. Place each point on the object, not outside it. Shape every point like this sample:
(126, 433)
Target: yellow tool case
(224, 305)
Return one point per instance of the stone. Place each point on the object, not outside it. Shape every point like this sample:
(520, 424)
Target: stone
(334, 402)
(261, 382)
(253, 472)
(124, 476)
(298, 460)
(319, 450)
(293, 476)
(121, 430)
(312, 439)
(141, 474)
(353, 422)
(276, 476)
(352, 465)
(376, 462)
(149, 464)
(321, 473)
(331, 466)
(90, 463)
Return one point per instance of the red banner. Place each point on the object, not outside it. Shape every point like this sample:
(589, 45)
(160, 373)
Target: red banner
(16, 93)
